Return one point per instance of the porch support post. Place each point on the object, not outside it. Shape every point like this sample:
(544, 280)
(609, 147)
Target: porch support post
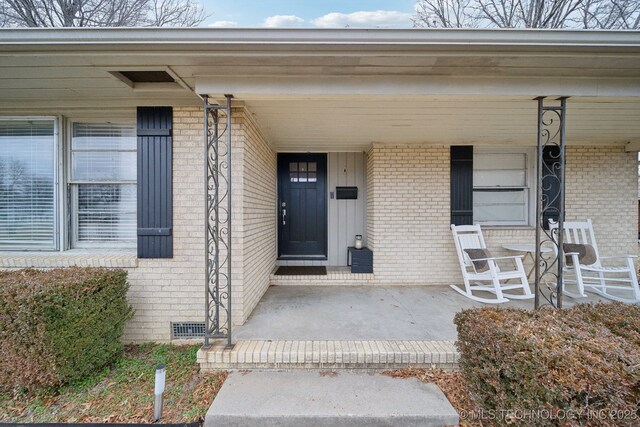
(217, 193)
(550, 203)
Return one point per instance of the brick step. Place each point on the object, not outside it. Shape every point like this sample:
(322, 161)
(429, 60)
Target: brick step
(335, 276)
(356, 354)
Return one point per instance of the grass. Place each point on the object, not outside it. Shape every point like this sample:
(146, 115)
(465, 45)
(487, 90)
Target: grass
(124, 393)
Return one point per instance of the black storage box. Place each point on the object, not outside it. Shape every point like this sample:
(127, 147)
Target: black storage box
(361, 260)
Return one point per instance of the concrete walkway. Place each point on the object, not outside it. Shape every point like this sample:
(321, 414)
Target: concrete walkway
(324, 398)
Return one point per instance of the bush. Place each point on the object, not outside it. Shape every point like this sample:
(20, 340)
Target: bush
(580, 365)
(59, 326)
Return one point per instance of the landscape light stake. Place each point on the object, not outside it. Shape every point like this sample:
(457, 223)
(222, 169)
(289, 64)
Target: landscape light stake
(161, 372)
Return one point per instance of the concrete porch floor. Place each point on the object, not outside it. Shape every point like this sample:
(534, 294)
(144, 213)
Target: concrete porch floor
(349, 327)
(420, 313)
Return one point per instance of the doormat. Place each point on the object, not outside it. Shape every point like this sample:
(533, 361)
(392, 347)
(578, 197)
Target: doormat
(301, 271)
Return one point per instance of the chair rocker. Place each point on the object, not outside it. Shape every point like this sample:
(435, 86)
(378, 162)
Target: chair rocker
(490, 278)
(595, 277)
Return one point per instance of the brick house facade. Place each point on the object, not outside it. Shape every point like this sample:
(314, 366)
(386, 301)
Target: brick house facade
(408, 248)
(387, 131)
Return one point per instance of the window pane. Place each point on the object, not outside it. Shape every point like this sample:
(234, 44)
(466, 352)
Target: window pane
(499, 170)
(312, 166)
(27, 164)
(293, 166)
(493, 161)
(106, 213)
(500, 206)
(107, 136)
(499, 197)
(500, 178)
(507, 214)
(103, 166)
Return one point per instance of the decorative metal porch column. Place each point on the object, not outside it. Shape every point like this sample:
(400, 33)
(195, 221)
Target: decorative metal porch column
(217, 189)
(550, 198)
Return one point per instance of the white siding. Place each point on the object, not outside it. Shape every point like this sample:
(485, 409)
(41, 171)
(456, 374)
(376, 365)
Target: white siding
(346, 217)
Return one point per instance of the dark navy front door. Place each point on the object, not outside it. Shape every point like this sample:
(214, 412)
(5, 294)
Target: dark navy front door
(302, 206)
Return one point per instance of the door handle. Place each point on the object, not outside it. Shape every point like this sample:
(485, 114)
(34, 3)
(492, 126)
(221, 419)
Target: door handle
(283, 212)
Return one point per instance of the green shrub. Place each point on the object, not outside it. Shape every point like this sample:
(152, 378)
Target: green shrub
(579, 366)
(59, 326)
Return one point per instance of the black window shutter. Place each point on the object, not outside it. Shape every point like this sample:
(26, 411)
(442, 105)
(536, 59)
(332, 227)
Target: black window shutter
(155, 196)
(462, 184)
(550, 184)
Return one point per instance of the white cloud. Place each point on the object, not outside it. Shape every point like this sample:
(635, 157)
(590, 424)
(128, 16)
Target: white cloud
(224, 24)
(283, 21)
(367, 19)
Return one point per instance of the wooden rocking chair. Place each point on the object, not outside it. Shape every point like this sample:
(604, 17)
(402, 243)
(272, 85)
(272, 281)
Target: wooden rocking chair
(590, 274)
(482, 273)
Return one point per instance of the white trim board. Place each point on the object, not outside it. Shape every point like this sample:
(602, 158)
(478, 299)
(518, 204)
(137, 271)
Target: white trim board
(268, 87)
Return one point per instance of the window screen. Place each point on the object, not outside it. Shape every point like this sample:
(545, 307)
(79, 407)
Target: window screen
(27, 184)
(500, 188)
(103, 184)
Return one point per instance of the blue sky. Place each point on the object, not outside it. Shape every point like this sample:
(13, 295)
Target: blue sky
(308, 13)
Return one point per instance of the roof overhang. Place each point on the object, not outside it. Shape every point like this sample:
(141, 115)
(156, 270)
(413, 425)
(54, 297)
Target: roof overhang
(340, 88)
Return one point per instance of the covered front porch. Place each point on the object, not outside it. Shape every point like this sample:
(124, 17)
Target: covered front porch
(426, 146)
(408, 206)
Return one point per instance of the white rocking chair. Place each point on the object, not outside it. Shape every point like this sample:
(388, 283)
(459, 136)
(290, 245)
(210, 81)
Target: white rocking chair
(491, 279)
(595, 277)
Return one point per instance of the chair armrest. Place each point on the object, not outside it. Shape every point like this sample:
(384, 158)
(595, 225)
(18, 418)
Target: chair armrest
(497, 257)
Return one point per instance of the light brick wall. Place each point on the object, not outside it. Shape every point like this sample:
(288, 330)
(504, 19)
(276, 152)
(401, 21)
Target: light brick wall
(259, 214)
(169, 290)
(409, 186)
(165, 290)
(410, 214)
(602, 185)
(371, 198)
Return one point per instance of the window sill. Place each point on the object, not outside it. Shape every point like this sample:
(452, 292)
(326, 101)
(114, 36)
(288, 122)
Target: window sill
(71, 258)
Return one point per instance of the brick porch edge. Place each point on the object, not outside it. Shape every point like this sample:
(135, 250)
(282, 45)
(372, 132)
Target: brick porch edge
(292, 354)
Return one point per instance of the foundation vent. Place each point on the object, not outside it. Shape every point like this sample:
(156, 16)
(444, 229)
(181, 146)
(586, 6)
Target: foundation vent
(181, 330)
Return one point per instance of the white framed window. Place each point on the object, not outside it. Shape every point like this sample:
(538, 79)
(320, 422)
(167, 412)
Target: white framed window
(28, 183)
(502, 180)
(102, 174)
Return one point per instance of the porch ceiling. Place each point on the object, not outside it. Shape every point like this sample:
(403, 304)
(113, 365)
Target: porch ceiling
(353, 123)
